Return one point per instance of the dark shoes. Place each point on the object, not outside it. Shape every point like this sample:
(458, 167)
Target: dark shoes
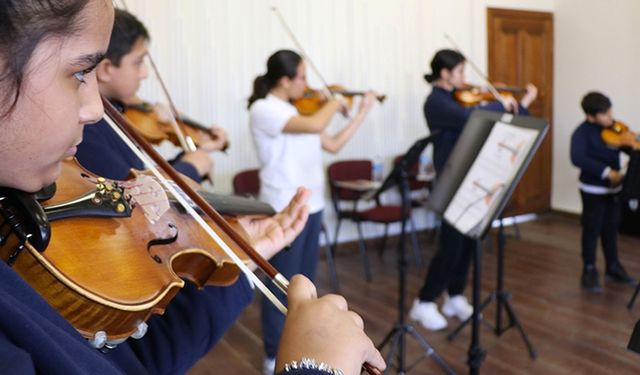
(590, 280)
(617, 274)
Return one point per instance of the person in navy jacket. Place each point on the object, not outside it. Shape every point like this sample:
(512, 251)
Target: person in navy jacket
(48, 93)
(449, 268)
(600, 183)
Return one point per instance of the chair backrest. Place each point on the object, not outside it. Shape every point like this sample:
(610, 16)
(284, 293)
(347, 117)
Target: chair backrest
(247, 183)
(414, 184)
(345, 170)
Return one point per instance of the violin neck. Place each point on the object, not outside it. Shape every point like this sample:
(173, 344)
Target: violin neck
(511, 89)
(193, 123)
(348, 93)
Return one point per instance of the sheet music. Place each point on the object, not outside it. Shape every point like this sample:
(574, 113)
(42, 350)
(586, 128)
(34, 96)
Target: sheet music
(491, 173)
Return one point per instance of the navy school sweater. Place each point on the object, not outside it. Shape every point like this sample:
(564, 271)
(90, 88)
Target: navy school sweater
(592, 155)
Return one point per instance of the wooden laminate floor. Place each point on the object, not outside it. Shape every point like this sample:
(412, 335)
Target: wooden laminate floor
(573, 331)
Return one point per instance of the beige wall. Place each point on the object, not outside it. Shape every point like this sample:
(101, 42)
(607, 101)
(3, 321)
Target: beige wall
(595, 49)
(209, 51)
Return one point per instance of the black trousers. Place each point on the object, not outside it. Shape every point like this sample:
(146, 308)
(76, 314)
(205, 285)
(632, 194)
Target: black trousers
(600, 219)
(450, 266)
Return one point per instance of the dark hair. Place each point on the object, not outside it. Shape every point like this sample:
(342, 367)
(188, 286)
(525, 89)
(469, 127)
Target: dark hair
(594, 103)
(283, 63)
(443, 59)
(23, 25)
(127, 30)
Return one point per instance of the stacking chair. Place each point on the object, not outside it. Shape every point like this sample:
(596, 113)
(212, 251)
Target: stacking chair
(247, 183)
(347, 170)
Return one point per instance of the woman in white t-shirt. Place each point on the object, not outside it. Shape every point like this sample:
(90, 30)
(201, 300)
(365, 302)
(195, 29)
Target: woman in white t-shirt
(289, 147)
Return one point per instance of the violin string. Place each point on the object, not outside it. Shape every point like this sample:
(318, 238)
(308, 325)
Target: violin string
(280, 282)
(477, 70)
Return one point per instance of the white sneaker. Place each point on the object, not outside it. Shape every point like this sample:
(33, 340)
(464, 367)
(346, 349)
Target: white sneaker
(268, 366)
(457, 306)
(427, 314)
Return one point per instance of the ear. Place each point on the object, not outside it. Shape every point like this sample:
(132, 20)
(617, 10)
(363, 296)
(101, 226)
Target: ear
(284, 82)
(104, 71)
(445, 74)
(591, 118)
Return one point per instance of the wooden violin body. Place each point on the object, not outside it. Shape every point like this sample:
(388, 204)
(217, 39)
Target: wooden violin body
(619, 135)
(106, 274)
(149, 124)
(470, 95)
(312, 100)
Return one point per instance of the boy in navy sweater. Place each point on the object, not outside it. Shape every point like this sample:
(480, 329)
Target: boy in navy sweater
(119, 77)
(600, 183)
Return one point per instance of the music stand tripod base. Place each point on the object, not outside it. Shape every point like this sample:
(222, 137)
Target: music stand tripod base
(503, 300)
(396, 337)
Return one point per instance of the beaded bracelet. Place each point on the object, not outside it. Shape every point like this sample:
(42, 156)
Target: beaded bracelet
(309, 363)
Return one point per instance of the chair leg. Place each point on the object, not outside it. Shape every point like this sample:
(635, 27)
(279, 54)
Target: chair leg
(363, 253)
(335, 238)
(383, 243)
(328, 254)
(516, 227)
(414, 243)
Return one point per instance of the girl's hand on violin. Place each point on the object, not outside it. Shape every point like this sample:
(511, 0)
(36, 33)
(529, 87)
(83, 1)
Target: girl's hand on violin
(367, 101)
(268, 235)
(344, 104)
(510, 104)
(200, 160)
(325, 330)
(215, 140)
(529, 96)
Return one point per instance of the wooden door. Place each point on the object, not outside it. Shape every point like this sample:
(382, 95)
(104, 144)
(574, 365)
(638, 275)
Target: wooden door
(520, 50)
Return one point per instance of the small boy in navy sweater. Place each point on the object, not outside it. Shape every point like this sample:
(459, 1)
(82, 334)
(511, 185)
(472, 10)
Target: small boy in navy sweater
(600, 185)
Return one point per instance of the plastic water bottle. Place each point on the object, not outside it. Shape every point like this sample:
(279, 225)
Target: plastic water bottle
(377, 169)
(423, 168)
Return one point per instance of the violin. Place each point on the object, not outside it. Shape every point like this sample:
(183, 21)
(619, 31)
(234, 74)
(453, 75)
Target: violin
(91, 252)
(312, 100)
(471, 95)
(620, 135)
(154, 129)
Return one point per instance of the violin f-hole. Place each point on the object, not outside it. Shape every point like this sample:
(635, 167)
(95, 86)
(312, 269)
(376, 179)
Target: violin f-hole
(163, 241)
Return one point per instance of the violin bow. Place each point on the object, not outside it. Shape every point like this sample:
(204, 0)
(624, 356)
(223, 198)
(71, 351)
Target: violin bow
(304, 54)
(186, 142)
(490, 86)
(136, 142)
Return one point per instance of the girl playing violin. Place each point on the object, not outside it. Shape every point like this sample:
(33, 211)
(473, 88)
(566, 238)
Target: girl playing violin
(600, 185)
(119, 77)
(449, 267)
(290, 148)
(49, 92)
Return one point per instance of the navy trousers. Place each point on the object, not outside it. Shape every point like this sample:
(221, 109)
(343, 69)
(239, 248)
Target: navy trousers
(300, 258)
(600, 218)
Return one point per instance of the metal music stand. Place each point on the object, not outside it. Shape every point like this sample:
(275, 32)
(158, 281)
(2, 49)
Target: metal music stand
(459, 192)
(396, 336)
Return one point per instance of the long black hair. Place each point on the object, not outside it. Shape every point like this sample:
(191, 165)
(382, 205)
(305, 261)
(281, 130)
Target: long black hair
(443, 59)
(23, 25)
(283, 63)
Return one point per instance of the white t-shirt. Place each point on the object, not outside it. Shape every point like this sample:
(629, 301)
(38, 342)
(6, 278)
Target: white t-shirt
(287, 160)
